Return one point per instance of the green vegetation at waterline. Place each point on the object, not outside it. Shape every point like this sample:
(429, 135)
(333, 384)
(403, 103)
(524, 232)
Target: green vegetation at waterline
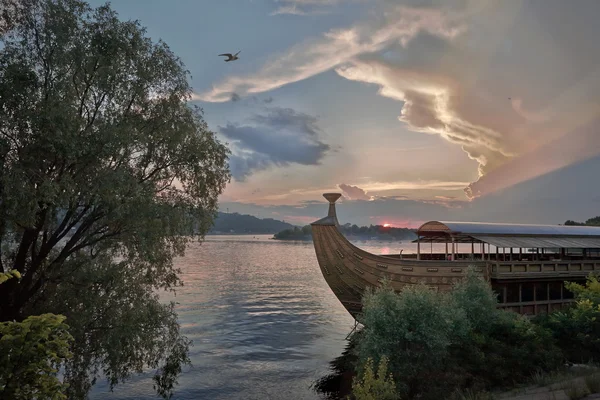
(94, 129)
(377, 232)
(459, 342)
(437, 342)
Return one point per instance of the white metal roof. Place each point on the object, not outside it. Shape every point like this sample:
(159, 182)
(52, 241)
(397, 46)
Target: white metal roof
(543, 242)
(493, 229)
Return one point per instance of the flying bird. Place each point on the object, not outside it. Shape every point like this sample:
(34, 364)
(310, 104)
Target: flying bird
(230, 57)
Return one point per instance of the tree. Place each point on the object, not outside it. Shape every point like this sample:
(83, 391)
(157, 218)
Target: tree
(12, 13)
(593, 221)
(105, 173)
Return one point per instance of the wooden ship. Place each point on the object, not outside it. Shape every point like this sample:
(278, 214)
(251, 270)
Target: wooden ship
(527, 265)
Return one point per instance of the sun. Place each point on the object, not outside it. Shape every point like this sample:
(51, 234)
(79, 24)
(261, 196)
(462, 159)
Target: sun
(386, 225)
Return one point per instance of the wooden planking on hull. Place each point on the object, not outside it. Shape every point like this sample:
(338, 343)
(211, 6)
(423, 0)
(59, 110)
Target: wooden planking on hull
(398, 275)
(349, 270)
(344, 291)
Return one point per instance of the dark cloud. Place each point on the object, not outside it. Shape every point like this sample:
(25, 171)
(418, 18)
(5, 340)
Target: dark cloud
(235, 97)
(280, 137)
(268, 100)
(353, 192)
(288, 119)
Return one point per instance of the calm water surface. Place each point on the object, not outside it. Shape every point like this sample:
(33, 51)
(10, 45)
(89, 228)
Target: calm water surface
(263, 321)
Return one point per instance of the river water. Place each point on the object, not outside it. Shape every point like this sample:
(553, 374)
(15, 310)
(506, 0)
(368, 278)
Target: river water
(263, 321)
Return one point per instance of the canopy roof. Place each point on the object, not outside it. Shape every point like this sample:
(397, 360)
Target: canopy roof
(511, 235)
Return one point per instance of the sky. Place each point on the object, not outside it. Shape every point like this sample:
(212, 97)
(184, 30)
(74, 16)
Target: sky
(413, 110)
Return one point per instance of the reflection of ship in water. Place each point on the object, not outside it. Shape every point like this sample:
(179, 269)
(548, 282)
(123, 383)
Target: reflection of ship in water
(526, 282)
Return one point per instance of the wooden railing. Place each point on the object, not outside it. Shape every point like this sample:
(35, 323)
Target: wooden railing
(537, 269)
(536, 307)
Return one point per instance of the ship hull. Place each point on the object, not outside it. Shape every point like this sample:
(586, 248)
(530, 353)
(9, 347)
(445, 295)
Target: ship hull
(349, 270)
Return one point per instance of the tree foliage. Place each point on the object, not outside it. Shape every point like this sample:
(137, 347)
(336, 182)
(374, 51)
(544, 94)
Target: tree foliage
(105, 172)
(370, 386)
(13, 12)
(31, 353)
(589, 222)
(439, 342)
(577, 329)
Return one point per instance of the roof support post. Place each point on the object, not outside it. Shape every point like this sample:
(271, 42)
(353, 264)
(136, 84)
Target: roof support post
(520, 254)
(418, 247)
(483, 251)
(446, 251)
(453, 250)
(472, 248)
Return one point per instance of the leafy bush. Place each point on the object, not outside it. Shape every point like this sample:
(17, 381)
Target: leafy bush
(371, 387)
(31, 352)
(440, 342)
(577, 329)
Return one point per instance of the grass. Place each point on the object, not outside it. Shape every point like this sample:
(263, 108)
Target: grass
(574, 390)
(576, 384)
(592, 381)
(539, 378)
(472, 395)
(545, 379)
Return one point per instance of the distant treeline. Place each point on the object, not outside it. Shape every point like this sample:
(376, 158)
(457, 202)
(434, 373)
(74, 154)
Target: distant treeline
(590, 222)
(228, 223)
(378, 232)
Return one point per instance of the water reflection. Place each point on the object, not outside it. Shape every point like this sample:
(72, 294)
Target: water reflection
(263, 321)
(265, 325)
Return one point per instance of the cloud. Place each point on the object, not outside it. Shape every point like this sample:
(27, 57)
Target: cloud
(428, 107)
(235, 97)
(354, 192)
(464, 72)
(581, 144)
(280, 137)
(287, 118)
(291, 10)
(577, 200)
(480, 90)
(306, 7)
(337, 46)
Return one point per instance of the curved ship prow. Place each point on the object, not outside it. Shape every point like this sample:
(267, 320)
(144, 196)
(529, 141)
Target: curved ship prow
(349, 270)
(525, 284)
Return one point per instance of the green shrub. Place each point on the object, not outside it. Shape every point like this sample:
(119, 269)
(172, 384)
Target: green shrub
(371, 387)
(440, 342)
(30, 354)
(577, 329)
